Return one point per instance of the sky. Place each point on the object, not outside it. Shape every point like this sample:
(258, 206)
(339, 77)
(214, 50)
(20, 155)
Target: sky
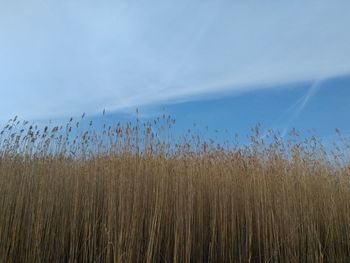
(312, 108)
(226, 63)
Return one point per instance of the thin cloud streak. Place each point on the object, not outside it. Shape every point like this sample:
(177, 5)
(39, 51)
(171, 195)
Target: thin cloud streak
(67, 57)
(301, 104)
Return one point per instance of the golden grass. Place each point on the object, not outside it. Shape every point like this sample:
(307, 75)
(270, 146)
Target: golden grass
(125, 194)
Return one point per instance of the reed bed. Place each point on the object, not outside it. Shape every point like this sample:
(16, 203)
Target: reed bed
(138, 193)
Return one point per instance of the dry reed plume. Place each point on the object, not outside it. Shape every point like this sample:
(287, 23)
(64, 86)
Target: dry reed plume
(130, 193)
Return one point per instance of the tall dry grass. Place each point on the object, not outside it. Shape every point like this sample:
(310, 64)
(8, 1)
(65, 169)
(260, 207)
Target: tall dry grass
(130, 193)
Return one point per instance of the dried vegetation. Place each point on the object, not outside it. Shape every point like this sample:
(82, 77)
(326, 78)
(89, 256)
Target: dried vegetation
(132, 193)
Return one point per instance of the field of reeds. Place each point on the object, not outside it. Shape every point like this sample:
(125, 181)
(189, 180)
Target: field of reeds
(135, 192)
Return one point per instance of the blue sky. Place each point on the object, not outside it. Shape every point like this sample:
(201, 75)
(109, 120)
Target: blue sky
(228, 64)
(312, 108)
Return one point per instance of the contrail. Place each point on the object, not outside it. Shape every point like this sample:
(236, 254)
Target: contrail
(301, 103)
(295, 109)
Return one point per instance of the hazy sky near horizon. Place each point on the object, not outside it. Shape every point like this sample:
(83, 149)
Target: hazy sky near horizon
(61, 58)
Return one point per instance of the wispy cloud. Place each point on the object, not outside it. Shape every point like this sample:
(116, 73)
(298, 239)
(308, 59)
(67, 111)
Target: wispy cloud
(67, 57)
(299, 106)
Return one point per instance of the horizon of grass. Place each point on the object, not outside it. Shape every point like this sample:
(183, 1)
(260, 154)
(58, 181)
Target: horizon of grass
(134, 192)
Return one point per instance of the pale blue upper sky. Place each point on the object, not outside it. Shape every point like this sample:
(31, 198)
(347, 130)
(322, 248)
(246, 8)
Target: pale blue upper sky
(62, 58)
